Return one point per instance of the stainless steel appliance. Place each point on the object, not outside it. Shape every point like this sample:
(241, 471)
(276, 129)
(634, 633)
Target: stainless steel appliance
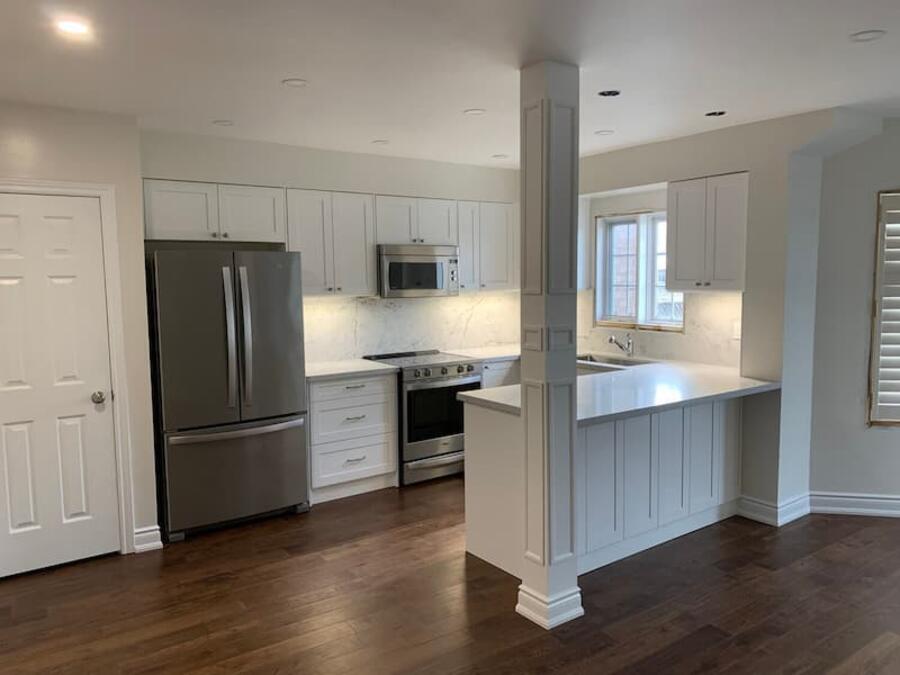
(230, 390)
(417, 270)
(431, 418)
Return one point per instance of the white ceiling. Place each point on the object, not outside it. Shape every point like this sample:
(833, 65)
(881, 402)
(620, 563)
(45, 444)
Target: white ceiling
(404, 70)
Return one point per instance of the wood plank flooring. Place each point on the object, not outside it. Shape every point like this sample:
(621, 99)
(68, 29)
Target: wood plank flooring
(381, 584)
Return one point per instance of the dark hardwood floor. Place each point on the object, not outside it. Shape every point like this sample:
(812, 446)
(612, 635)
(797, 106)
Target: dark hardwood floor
(381, 584)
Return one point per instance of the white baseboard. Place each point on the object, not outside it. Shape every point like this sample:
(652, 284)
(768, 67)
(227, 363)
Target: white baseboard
(356, 487)
(547, 612)
(774, 514)
(147, 539)
(855, 504)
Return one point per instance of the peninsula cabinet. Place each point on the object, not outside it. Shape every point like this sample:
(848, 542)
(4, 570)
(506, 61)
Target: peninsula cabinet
(706, 233)
(488, 246)
(411, 220)
(192, 211)
(335, 233)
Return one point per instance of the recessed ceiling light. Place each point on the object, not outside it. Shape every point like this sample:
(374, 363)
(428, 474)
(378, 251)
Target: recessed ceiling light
(380, 141)
(867, 35)
(604, 132)
(474, 112)
(608, 93)
(715, 113)
(75, 28)
(294, 82)
(500, 155)
(223, 123)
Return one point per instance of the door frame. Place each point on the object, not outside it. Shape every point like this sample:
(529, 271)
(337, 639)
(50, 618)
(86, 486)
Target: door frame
(106, 193)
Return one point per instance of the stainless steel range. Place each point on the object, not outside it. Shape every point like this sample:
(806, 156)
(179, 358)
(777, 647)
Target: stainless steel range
(431, 419)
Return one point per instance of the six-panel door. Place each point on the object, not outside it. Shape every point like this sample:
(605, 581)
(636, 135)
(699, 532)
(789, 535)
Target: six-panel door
(58, 494)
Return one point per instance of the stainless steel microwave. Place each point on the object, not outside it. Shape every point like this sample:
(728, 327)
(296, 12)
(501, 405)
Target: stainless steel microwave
(417, 270)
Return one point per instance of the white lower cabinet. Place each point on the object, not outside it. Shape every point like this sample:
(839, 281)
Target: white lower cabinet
(500, 373)
(353, 434)
(648, 478)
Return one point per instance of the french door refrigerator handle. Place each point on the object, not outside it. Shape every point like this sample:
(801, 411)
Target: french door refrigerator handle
(230, 336)
(215, 436)
(248, 336)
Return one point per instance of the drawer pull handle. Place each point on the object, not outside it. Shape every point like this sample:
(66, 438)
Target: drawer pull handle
(355, 386)
(355, 418)
(355, 460)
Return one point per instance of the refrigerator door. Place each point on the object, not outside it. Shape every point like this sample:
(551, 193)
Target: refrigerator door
(197, 338)
(270, 330)
(225, 473)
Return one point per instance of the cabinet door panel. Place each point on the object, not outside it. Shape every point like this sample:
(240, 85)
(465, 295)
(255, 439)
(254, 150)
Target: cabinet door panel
(354, 243)
(704, 480)
(726, 224)
(496, 242)
(396, 220)
(727, 440)
(310, 232)
(437, 222)
(668, 436)
(251, 213)
(180, 210)
(603, 486)
(640, 467)
(686, 235)
(468, 245)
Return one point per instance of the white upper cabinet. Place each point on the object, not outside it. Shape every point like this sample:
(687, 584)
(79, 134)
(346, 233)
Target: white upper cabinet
(335, 232)
(310, 233)
(437, 222)
(180, 210)
(497, 247)
(353, 223)
(707, 229)
(249, 213)
(468, 214)
(396, 220)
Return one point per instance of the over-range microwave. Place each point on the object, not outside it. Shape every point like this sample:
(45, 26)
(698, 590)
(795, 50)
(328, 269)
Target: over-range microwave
(417, 270)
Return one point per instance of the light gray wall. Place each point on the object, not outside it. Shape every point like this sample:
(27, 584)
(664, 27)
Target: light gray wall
(64, 145)
(710, 318)
(847, 456)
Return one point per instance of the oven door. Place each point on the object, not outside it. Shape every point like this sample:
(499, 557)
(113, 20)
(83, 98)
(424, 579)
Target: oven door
(433, 417)
(411, 276)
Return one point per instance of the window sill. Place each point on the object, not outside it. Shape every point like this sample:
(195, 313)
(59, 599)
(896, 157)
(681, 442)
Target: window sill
(649, 327)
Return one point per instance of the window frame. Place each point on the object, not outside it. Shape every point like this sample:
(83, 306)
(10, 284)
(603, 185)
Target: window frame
(645, 282)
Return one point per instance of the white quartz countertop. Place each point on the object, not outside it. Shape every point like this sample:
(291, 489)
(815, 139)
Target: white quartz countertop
(326, 369)
(638, 389)
(493, 353)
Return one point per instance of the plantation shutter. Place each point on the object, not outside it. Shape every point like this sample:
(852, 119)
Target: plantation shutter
(885, 356)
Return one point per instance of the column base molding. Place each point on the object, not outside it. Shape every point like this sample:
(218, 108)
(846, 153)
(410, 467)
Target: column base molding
(549, 612)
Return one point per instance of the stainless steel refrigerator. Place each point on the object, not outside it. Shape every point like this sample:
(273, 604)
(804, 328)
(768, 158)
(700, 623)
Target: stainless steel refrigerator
(230, 390)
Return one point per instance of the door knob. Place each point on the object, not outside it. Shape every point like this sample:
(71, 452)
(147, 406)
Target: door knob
(98, 397)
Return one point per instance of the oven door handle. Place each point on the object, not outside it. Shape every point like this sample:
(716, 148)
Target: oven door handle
(442, 460)
(447, 382)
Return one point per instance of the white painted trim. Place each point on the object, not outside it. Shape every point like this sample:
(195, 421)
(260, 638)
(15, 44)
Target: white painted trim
(147, 539)
(855, 504)
(549, 612)
(353, 488)
(773, 514)
(118, 372)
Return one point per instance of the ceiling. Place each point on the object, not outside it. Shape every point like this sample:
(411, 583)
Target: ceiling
(404, 70)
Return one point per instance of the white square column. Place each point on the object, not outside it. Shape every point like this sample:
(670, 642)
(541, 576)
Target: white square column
(549, 593)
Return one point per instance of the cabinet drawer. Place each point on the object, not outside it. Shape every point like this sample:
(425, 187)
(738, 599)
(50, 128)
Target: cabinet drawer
(343, 419)
(383, 385)
(351, 460)
(500, 373)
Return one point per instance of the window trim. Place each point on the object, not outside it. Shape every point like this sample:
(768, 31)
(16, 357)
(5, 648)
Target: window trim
(644, 273)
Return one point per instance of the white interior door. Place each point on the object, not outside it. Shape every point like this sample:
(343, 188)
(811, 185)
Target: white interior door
(58, 490)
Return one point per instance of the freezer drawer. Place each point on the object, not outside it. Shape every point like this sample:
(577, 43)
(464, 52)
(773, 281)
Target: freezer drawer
(233, 472)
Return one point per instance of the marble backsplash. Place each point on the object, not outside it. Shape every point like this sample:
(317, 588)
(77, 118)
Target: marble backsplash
(346, 328)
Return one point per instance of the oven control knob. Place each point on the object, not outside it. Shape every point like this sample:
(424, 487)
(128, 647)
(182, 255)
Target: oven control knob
(418, 373)
(460, 369)
(443, 371)
(428, 372)
(470, 368)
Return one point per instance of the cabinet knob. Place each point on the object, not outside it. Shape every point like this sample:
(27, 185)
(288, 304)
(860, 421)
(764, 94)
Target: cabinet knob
(698, 283)
(706, 283)
(224, 235)
(339, 289)
(329, 289)
(482, 285)
(214, 235)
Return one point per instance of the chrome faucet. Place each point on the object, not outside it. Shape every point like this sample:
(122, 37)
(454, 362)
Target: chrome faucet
(628, 347)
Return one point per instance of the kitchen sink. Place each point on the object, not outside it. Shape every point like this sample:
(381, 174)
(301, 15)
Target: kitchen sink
(589, 364)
